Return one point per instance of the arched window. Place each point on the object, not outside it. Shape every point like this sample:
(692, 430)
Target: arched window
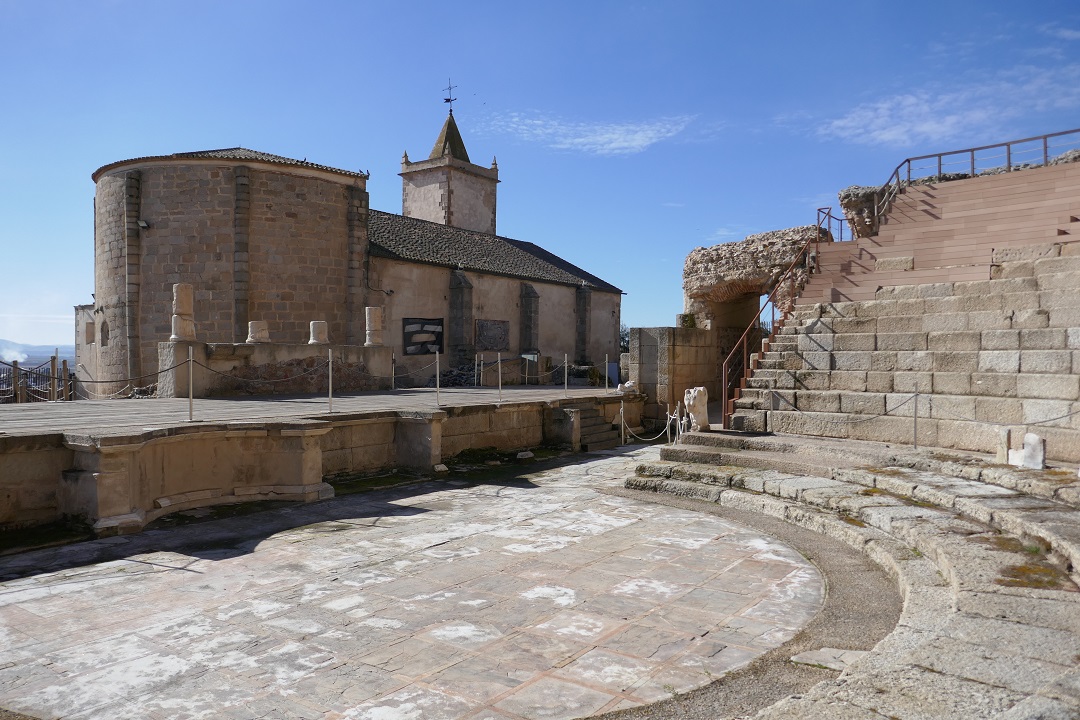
(104, 333)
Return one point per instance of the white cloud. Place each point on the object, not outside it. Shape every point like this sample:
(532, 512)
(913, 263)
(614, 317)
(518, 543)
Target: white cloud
(625, 138)
(1061, 33)
(933, 115)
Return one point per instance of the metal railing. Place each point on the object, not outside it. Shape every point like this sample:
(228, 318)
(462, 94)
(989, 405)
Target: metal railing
(772, 314)
(970, 162)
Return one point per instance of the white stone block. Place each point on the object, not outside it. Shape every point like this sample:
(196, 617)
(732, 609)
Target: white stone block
(258, 332)
(319, 334)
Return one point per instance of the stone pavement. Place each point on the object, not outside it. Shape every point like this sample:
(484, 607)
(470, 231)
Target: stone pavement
(536, 597)
(98, 415)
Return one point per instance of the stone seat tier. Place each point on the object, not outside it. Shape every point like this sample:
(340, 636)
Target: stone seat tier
(991, 619)
(949, 231)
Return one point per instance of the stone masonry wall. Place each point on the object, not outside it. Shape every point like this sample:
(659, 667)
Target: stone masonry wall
(189, 211)
(298, 255)
(110, 261)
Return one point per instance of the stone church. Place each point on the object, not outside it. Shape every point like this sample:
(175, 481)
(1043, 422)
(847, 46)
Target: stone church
(269, 238)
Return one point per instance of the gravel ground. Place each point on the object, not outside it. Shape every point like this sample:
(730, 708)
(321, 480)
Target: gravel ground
(847, 621)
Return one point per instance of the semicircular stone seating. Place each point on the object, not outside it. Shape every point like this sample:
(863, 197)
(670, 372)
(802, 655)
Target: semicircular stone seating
(985, 555)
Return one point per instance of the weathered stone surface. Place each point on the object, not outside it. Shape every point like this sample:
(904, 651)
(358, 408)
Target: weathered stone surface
(858, 203)
(751, 267)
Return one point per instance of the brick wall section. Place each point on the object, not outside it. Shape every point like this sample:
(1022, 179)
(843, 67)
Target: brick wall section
(298, 255)
(190, 212)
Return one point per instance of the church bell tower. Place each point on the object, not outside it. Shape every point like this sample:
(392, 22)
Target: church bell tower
(447, 188)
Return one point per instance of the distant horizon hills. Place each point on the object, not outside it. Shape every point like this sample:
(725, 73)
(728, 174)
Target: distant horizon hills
(11, 351)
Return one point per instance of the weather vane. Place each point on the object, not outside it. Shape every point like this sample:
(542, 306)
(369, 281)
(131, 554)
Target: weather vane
(450, 95)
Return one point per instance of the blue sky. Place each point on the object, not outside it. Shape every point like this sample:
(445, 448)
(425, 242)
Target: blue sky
(627, 133)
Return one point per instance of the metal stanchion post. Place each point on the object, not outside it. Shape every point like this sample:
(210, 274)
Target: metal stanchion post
(330, 380)
(566, 375)
(622, 419)
(437, 380)
(476, 370)
(65, 387)
(667, 425)
(393, 370)
(605, 373)
(190, 386)
(15, 380)
(498, 366)
(52, 377)
(915, 419)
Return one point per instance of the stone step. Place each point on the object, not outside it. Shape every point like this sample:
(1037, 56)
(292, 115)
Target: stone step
(879, 497)
(601, 444)
(1059, 485)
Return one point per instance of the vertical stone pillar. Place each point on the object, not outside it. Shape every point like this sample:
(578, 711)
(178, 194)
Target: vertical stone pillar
(373, 321)
(357, 268)
(183, 318)
(529, 337)
(462, 347)
(319, 335)
(583, 309)
(132, 274)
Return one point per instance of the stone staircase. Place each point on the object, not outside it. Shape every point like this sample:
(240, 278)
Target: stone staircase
(596, 432)
(986, 558)
(948, 231)
(982, 355)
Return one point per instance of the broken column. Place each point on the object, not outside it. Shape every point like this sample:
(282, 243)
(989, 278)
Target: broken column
(258, 332)
(319, 334)
(183, 319)
(373, 323)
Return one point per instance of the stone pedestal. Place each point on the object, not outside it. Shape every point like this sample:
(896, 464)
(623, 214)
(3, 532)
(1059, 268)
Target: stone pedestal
(373, 322)
(319, 335)
(183, 319)
(258, 332)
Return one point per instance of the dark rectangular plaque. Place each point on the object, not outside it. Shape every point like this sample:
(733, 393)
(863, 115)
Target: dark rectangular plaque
(492, 335)
(422, 336)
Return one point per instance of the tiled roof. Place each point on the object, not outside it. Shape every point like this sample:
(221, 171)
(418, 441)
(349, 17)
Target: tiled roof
(404, 238)
(238, 153)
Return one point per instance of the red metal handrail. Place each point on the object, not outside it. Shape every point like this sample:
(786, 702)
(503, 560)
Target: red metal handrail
(737, 364)
(902, 175)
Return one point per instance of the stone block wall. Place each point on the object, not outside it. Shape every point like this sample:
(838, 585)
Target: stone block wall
(256, 242)
(665, 362)
(298, 255)
(1001, 352)
(30, 473)
(270, 369)
(189, 210)
(110, 280)
(513, 427)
